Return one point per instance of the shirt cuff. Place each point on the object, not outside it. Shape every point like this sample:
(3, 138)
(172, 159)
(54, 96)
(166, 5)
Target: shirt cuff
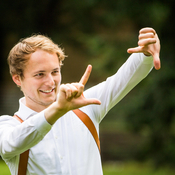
(42, 126)
(147, 59)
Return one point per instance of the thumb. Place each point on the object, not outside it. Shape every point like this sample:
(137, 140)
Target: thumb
(134, 50)
(89, 101)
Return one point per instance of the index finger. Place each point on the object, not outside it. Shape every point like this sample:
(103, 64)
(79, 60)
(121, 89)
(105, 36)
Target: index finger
(86, 75)
(157, 63)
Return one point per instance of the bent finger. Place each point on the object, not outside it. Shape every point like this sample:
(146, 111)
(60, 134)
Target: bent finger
(146, 35)
(80, 88)
(147, 29)
(147, 41)
(72, 90)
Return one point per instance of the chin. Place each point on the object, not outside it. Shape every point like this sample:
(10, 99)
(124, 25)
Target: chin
(49, 102)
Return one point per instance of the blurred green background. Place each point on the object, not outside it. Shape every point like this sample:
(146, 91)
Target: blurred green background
(141, 128)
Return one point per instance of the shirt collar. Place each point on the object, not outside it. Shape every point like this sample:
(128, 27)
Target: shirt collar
(24, 112)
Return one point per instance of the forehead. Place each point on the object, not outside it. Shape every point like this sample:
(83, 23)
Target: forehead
(41, 59)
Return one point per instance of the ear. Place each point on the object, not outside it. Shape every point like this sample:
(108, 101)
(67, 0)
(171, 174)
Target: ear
(17, 79)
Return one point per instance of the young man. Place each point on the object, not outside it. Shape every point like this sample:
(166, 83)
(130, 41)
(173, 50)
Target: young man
(58, 141)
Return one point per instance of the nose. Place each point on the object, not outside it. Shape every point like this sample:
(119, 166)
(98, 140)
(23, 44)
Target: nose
(50, 80)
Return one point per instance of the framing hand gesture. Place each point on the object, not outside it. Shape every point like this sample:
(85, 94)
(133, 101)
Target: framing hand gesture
(148, 44)
(70, 96)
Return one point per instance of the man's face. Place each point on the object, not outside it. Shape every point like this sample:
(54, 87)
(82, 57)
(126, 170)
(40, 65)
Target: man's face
(41, 80)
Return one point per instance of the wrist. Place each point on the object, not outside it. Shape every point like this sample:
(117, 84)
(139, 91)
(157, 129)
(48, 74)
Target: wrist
(53, 113)
(147, 54)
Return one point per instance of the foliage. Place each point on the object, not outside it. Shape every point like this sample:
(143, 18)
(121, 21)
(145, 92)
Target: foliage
(99, 32)
(153, 115)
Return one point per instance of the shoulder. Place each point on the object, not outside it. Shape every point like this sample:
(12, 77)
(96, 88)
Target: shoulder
(7, 120)
(5, 117)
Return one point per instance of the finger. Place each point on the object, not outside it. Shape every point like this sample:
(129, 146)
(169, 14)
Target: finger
(65, 89)
(86, 75)
(147, 29)
(90, 101)
(147, 41)
(80, 89)
(157, 63)
(146, 35)
(134, 50)
(72, 91)
(69, 90)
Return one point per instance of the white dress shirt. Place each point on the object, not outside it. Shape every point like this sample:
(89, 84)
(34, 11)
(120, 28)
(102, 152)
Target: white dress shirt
(67, 147)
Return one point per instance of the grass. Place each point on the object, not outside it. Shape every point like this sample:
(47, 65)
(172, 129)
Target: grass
(4, 170)
(134, 168)
(118, 168)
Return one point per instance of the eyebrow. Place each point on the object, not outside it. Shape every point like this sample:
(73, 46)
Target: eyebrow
(42, 71)
(58, 68)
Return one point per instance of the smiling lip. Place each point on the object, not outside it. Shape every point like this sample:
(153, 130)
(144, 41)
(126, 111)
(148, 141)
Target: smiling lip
(47, 91)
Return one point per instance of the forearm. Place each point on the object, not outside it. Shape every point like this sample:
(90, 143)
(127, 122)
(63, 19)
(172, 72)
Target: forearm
(53, 113)
(128, 76)
(131, 73)
(17, 137)
(111, 91)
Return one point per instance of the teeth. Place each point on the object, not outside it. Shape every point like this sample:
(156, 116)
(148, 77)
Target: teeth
(47, 91)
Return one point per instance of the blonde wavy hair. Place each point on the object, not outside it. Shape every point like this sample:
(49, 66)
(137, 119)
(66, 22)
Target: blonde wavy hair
(20, 53)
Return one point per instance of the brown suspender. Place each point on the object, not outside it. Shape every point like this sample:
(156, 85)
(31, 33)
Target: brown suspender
(23, 160)
(22, 168)
(89, 124)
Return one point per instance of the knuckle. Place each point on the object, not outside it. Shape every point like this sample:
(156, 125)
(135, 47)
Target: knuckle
(152, 35)
(62, 86)
(81, 86)
(139, 37)
(139, 42)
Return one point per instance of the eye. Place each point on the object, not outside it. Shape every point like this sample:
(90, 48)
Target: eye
(39, 75)
(55, 72)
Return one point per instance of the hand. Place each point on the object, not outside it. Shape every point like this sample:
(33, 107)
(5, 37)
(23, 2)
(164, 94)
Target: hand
(148, 44)
(70, 96)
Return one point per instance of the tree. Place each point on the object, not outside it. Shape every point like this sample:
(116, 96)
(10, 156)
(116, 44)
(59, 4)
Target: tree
(99, 32)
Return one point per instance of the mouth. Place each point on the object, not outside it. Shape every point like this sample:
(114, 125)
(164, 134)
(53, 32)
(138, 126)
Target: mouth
(47, 91)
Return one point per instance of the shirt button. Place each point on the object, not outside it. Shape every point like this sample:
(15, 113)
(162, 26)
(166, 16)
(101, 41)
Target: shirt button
(61, 157)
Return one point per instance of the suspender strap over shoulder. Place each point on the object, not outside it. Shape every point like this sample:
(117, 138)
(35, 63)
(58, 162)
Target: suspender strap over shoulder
(89, 124)
(22, 168)
(23, 160)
